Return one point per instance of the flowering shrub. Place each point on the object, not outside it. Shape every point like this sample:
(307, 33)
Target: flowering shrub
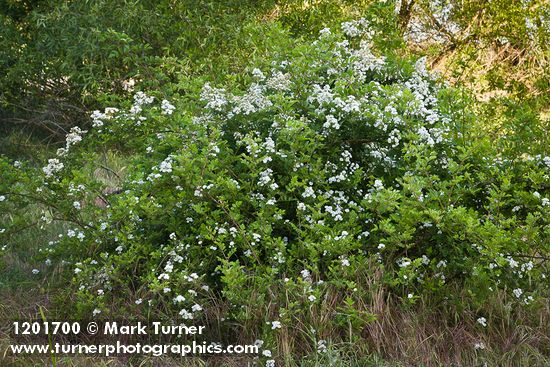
(336, 162)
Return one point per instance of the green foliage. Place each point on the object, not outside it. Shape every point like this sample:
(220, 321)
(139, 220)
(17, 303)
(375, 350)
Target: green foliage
(336, 176)
(61, 58)
(336, 163)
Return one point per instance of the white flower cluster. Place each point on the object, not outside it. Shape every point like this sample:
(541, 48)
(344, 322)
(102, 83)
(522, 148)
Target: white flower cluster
(140, 99)
(482, 321)
(364, 61)
(73, 137)
(166, 165)
(279, 81)
(166, 107)
(54, 166)
(216, 98)
(356, 28)
(254, 100)
(99, 118)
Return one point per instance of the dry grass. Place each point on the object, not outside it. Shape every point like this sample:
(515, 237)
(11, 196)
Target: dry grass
(426, 334)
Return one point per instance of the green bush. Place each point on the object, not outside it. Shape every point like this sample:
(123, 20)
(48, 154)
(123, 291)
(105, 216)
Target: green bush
(335, 163)
(62, 59)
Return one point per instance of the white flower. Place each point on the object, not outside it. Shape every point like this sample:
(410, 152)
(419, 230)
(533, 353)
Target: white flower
(270, 363)
(266, 353)
(186, 314)
(403, 262)
(179, 298)
(257, 73)
(513, 263)
(35, 271)
(308, 192)
(381, 246)
(96, 312)
(331, 123)
(76, 205)
(276, 325)
(306, 274)
(324, 32)
(518, 292)
(97, 117)
(528, 266)
(54, 166)
(350, 29)
(2, 198)
(73, 137)
(321, 346)
(135, 109)
(196, 308)
(279, 81)
(141, 98)
(482, 321)
(169, 267)
(166, 165)
(265, 177)
(215, 98)
(139, 301)
(109, 111)
(167, 107)
(479, 345)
